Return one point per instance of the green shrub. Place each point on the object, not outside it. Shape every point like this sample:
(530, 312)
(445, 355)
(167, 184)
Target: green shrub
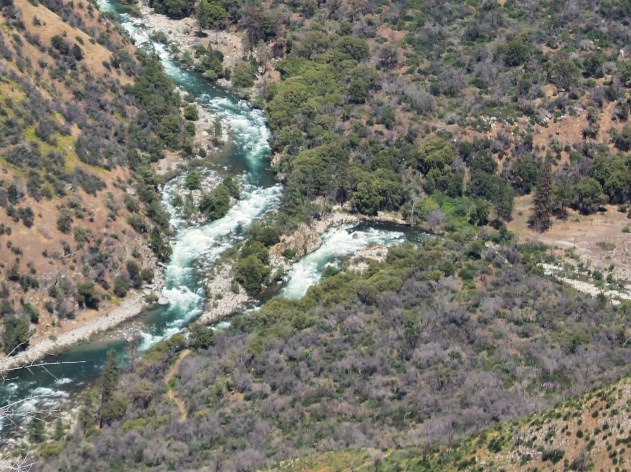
(552, 455)
(210, 13)
(243, 75)
(87, 295)
(251, 272)
(64, 221)
(215, 205)
(16, 335)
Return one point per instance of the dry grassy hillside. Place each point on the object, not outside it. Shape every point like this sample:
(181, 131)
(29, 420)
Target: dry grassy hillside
(72, 229)
(586, 433)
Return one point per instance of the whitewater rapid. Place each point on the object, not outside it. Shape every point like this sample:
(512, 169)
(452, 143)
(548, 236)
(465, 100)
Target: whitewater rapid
(198, 247)
(201, 246)
(336, 244)
(194, 249)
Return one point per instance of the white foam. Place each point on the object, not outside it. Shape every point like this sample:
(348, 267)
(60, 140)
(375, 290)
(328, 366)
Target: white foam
(63, 381)
(41, 397)
(222, 325)
(336, 243)
(204, 244)
(10, 387)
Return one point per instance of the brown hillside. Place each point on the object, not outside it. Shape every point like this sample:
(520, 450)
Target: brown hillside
(581, 434)
(64, 186)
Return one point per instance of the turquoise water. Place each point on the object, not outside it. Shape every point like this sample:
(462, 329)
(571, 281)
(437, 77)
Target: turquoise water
(338, 243)
(192, 246)
(196, 247)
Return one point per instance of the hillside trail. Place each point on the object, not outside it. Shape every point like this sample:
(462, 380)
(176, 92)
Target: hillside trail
(170, 391)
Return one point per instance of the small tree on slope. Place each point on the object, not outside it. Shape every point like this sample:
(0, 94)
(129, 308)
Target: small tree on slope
(540, 218)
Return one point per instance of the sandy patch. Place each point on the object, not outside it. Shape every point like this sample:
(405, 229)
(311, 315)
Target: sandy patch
(565, 130)
(359, 262)
(391, 34)
(584, 234)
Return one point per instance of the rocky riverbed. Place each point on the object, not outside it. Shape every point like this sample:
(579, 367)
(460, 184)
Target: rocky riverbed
(185, 34)
(221, 299)
(306, 238)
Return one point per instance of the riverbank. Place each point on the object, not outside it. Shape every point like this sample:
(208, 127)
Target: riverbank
(221, 300)
(306, 239)
(186, 35)
(127, 309)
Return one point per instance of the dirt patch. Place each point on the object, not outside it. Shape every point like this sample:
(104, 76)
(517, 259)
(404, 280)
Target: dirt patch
(359, 261)
(607, 124)
(48, 24)
(597, 238)
(565, 130)
(391, 34)
(222, 300)
(169, 163)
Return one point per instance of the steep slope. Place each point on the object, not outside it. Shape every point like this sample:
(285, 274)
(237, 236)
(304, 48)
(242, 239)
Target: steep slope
(441, 111)
(590, 432)
(78, 200)
(435, 343)
(378, 106)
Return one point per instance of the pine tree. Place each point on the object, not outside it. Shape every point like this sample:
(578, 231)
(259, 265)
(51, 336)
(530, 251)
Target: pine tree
(36, 431)
(540, 218)
(87, 416)
(109, 380)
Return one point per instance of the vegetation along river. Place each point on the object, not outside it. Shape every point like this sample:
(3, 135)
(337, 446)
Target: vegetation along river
(197, 246)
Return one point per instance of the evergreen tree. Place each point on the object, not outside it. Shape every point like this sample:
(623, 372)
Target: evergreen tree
(16, 335)
(540, 218)
(210, 14)
(36, 431)
(109, 380)
(589, 195)
(87, 416)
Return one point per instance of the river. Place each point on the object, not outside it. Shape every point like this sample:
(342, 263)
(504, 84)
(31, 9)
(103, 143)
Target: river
(196, 247)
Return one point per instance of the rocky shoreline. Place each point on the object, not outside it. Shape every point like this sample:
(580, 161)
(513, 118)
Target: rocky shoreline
(221, 300)
(129, 308)
(186, 35)
(181, 33)
(306, 238)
